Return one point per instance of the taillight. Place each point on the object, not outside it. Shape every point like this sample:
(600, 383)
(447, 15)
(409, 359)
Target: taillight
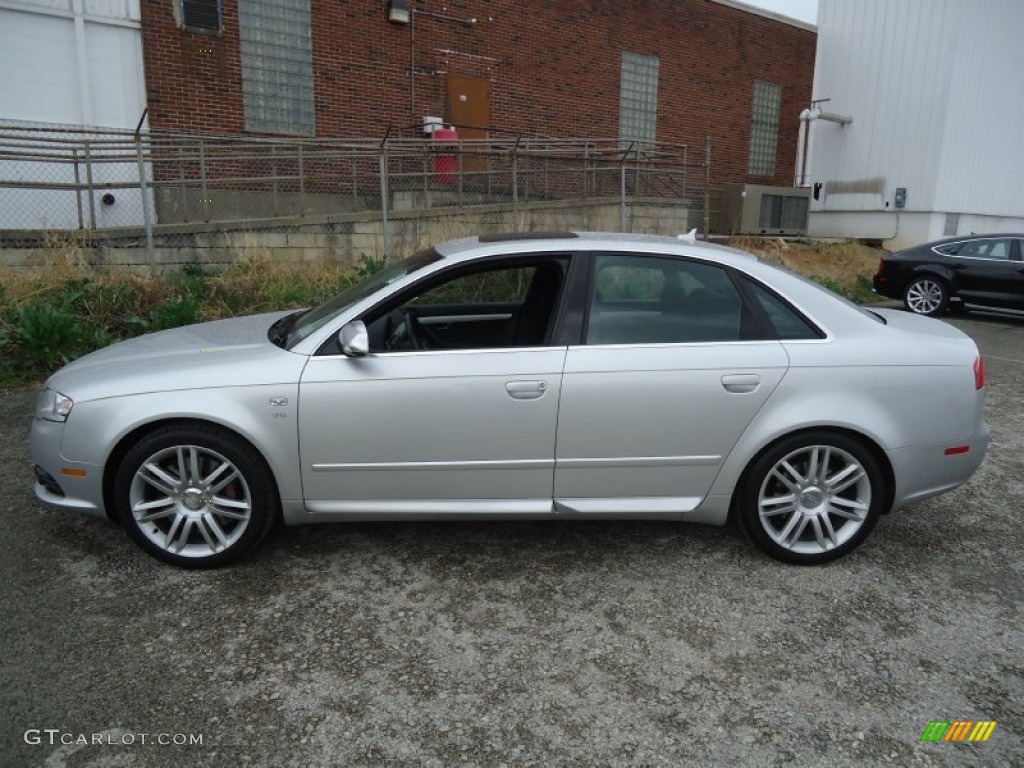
(881, 266)
(979, 373)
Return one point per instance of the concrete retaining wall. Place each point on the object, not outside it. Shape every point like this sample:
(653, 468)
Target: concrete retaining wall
(342, 237)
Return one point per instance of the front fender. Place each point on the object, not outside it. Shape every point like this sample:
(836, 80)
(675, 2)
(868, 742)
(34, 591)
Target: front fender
(95, 427)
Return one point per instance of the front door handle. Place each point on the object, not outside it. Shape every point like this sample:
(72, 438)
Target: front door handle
(741, 383)
(526, 390)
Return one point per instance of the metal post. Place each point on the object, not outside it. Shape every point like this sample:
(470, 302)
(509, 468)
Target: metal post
(385, 236)
(302, 183)
(147, 217)
(622, 187)
(636, 173)
(458, 155)
(707, 186)
(204, 191)
(88, 183)
(78, 188)
(275, 204)
(515, 183)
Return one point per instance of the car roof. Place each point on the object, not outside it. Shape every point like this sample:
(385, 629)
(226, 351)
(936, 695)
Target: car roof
(532, 242)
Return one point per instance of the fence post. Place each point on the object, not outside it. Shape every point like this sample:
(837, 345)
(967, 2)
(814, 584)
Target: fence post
(515, 184)
(622, 187)
(302, 183)
(78, 188)
(147, 217)
(88, 183)
(202, 179)
(707, 187)
(385, 235)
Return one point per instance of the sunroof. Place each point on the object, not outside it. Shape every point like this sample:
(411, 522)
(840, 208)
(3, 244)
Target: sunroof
(506, 237)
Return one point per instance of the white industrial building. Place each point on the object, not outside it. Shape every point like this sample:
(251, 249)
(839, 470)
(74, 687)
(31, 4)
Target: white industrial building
(922, 133)
(74, 66)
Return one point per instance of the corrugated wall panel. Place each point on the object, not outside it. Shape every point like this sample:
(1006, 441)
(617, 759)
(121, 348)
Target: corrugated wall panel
(981, 168)
(886, 65)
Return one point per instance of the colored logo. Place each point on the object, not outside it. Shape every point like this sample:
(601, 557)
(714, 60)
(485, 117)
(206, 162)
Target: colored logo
(958, 730)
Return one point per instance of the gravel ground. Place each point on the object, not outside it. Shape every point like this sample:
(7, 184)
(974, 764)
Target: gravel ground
(518, 644)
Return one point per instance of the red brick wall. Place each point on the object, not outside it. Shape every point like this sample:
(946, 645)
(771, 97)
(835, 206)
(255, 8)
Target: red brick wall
(554, 67)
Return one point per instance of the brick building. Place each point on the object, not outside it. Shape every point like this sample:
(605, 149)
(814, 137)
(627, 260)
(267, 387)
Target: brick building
(665, 70)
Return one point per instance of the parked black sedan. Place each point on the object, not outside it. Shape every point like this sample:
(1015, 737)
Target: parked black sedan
(983, 271)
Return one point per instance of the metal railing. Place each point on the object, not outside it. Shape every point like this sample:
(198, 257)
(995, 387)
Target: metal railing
(74, 179)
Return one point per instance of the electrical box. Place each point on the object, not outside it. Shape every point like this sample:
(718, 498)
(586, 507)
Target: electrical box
(900, 200)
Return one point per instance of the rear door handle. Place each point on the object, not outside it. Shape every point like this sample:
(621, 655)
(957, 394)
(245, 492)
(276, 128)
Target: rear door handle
(526, 390)
(741, 383)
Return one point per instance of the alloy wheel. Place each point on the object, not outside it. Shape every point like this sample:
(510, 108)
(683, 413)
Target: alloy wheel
(814, 499)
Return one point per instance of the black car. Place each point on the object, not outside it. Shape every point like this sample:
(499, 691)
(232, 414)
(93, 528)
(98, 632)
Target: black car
(983, 271)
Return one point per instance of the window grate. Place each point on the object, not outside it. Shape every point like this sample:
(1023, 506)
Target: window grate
(201, 14)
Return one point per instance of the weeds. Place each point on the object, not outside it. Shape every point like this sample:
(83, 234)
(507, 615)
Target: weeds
(66, 308)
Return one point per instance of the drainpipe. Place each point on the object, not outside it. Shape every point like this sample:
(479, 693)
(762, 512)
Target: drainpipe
(800, 177)
(805, 142)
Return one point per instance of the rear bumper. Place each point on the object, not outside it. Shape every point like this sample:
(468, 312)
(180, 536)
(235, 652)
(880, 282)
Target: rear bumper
(923, 471)
(885, 287)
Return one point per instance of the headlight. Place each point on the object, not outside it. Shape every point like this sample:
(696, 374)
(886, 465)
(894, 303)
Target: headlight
(53, 406)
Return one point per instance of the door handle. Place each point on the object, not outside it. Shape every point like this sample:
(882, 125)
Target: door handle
(741, 383)
(526, 390)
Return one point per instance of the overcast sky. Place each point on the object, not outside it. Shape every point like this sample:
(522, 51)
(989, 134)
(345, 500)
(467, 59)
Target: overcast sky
(805, 10)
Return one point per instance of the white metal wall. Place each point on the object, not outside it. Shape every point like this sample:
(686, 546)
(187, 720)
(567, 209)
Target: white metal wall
(981, 167)
(69, 63)
(937, 101)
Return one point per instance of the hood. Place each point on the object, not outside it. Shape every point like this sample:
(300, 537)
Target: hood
(231, 352)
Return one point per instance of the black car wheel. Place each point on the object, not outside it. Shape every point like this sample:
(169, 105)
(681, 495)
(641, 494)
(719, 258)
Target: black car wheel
(926, 296)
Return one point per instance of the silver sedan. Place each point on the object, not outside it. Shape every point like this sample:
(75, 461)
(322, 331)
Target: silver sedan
(545, 376)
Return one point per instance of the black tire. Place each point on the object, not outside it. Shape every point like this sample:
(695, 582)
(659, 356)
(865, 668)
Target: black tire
(926, 295)
(764, 490)
(187, 527)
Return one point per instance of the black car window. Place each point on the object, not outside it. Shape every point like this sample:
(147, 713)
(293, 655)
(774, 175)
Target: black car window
(788, 323)
(639, 299)
(987, 248)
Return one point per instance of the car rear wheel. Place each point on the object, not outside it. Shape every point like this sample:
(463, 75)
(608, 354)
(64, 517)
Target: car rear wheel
(811, 498)
(926, 296)
(195, 496)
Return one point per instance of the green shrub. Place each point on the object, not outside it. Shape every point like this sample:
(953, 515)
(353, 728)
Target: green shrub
(170, 313)
(42, 337)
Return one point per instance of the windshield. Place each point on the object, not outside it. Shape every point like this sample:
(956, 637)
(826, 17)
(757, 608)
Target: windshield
(316, 318)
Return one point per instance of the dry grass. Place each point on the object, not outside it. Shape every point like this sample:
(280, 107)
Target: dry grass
(847, 265)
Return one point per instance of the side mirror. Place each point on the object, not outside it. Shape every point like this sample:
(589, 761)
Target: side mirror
(354, 339)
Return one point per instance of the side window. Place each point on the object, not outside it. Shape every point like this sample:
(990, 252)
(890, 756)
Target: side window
(486, 308)
(990, 248)
(789, 324)
(951, 249)
(649, 300)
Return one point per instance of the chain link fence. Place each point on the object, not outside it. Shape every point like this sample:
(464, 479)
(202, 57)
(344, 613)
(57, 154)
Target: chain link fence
(159, 189)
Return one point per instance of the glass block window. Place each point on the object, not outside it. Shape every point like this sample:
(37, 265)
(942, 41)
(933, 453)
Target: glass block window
(638, 98)
(764, 128)
(200, 14)
(277, 66)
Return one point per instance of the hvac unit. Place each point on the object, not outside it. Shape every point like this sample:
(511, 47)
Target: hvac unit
(752, 209)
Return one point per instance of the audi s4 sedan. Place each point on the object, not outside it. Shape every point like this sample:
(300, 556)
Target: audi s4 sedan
(547, 376)
(976, 271)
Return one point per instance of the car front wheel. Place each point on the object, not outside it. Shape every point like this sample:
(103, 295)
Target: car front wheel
(811, 498)
(195, 496)
(926, 296)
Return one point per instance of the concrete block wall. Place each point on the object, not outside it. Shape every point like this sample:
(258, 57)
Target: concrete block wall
(353, 237)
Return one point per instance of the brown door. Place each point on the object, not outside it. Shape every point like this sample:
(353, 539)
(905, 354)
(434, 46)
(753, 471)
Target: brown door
(469, 105)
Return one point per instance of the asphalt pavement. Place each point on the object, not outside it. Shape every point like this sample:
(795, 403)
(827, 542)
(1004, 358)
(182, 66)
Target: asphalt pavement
(522, 644)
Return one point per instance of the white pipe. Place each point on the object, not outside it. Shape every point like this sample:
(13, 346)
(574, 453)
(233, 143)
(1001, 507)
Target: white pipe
(799, 178)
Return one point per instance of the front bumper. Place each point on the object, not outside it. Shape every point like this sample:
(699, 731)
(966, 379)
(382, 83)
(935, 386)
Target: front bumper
(55, 488)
